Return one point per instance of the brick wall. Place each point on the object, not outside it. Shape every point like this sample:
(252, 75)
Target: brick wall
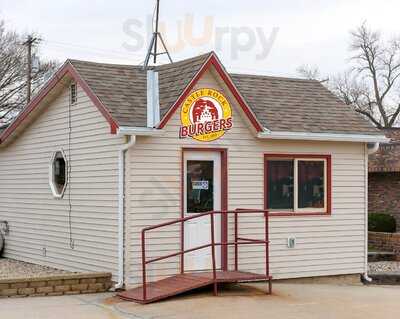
(385, 241)
(384, 194)
(387, 158)
(70, 284)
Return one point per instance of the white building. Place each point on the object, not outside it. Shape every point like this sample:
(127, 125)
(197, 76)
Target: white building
(94, 158)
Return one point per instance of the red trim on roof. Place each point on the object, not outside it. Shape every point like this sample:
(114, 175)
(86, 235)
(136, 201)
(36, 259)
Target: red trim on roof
(96, 101)
(227, 80)
(66, 69)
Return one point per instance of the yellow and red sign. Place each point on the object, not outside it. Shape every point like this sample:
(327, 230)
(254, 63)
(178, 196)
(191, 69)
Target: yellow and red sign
(205, 115)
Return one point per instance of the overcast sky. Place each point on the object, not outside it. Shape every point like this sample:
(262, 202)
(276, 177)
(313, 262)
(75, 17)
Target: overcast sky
(292, 32)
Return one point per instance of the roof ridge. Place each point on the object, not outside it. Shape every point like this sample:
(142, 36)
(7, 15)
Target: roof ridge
(283, 78)
(72, 61)
(193, 58)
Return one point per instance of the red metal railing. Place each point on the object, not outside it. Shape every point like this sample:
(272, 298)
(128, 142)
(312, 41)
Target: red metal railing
(237, 241)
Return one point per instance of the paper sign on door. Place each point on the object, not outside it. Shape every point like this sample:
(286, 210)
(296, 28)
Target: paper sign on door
(200, 185)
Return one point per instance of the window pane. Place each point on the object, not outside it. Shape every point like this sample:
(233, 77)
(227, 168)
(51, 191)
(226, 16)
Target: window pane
(311, 184)
(200, 185)
(59, 176)
(280, 184)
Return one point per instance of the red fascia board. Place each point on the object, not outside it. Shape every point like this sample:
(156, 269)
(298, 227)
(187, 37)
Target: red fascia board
(212, 60)
(66, 69)
(96, 101)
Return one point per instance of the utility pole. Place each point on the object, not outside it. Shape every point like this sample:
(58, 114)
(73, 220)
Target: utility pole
(29, 44)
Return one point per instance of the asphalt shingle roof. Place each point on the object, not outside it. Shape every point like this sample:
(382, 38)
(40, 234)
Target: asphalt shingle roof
(280, 104)
(297, 105)
(122, 88)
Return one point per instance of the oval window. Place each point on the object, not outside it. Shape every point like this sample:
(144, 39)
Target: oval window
(58, 174)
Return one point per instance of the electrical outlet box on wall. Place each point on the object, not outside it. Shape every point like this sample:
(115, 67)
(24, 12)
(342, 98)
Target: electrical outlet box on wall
(291, 242)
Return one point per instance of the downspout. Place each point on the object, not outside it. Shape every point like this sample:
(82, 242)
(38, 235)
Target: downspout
(121, 210)
(153, 117)
(371, 148)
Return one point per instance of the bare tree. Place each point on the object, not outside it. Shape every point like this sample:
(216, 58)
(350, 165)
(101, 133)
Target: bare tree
(309, 72)
(372, 84)
(13, 70)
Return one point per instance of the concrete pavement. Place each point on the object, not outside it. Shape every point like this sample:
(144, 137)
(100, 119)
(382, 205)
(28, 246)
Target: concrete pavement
(290, 300)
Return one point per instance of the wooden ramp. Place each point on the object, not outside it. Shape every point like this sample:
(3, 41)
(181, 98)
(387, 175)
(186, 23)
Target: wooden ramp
(178, 284)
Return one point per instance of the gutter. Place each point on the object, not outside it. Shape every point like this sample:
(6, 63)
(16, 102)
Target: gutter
(121, 209)
(139, 131)
(334, 137)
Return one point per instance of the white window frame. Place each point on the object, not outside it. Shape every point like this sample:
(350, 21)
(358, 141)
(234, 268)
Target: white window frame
(296, 208)
(296, 186)
(53, 188)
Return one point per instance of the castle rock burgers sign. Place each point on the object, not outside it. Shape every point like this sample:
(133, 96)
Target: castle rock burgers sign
(205, 115)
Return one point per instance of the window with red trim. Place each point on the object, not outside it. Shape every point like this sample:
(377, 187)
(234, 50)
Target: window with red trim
(297, 184)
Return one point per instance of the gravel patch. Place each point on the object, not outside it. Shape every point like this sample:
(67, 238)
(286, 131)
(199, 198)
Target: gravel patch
(384, 266)
(14, 269)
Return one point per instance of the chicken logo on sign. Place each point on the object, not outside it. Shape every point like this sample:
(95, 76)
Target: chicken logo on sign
(206, 115)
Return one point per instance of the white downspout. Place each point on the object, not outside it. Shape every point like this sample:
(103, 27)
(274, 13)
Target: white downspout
(371, 148)
(153, 117)
(121, 210)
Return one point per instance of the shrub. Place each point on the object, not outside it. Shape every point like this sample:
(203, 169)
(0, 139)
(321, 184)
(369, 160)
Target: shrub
(381, 223)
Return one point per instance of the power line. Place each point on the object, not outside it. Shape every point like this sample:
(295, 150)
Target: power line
(259, 71)
(128, 56)
(91, 49)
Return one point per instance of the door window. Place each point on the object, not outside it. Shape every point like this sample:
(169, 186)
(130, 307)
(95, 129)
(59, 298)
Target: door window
(200, 185)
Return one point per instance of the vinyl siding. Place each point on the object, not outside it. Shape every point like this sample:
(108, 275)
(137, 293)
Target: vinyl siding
(36, 219)
(326, 245)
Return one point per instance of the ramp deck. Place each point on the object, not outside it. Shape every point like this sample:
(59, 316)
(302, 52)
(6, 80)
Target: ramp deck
(178, 284)
(186, 281)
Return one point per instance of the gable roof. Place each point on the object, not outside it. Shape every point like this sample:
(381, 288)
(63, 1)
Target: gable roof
(57, 80)
(212, 61)
(122, 88)
(277, 104)
(387, 158)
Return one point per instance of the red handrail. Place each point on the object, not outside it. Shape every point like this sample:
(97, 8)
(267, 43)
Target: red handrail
(238, 241)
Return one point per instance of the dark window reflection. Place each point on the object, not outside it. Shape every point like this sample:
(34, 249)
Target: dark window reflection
(311, 184)
(200, 185)
(280, 184)
(59, 172)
